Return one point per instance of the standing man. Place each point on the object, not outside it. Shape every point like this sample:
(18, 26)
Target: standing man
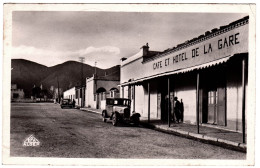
(73, 103)
(182, 110)
(177, 109)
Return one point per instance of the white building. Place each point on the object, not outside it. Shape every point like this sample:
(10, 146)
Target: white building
(16, 93)
(69, 94)
(99, 88)
(209, 74)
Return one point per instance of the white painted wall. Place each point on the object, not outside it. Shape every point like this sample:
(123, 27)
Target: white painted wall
(68, 93)
(234, 97)
(139, 99)
(90, 93)
(92, 87)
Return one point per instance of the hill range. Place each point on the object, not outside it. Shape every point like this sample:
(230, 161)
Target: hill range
(26, 74)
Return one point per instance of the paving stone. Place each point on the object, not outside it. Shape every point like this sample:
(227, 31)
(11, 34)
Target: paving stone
(182, 132)
(228, 142)
(200, 136)
(210, 138)
(244, 146)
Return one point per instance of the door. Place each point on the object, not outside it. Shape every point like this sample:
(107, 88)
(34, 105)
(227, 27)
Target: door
(217, 106)
(97, 100)
(212, 106)
(221, 106)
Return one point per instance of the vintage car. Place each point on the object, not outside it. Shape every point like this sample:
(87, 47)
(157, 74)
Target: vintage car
(118, 110)
(66, 103)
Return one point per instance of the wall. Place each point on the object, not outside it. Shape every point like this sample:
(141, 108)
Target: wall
(107, 84)
(103, 104)
(68, 93)
(78, 102)
(17, 92)
(93, 85)
(139, 99)
(234, 95)
(185, 89)
(90, 93)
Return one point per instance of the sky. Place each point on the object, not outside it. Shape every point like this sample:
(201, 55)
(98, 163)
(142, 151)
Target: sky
(51, 38)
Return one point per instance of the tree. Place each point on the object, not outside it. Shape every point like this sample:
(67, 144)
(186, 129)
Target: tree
(36, 91)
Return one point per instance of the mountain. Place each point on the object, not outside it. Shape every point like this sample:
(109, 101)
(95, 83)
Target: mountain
(26, 74)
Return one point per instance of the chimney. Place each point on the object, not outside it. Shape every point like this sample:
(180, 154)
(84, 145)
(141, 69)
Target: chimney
(145, 50)
(122, 59)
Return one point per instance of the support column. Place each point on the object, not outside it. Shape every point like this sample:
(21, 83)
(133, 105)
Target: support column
(243, 98)
(122, 91)
(169, 103)
(148, 102)
(133, 97)
(197, 102)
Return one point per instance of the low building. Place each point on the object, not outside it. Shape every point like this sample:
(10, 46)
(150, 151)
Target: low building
(207, 73)
(99, 88)
(16, 94)
(80, 96)
(70, 94)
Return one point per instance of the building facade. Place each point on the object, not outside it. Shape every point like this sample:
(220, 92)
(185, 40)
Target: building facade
(80, 96)
(16, 93)
(207, 73)
(70, 94)
(99, 88)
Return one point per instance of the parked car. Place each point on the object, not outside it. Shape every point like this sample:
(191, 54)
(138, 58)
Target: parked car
(118, 110)
(66, 103)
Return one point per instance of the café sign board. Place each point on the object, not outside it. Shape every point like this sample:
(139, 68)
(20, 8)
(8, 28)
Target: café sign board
(226, 43)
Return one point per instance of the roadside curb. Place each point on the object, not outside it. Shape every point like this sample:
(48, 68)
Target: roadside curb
(199, 137)
(89, 110)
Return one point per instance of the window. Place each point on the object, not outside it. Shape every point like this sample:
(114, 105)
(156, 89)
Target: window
(15, 95)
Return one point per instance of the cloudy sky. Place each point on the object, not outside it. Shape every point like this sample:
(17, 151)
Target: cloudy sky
(51, 38)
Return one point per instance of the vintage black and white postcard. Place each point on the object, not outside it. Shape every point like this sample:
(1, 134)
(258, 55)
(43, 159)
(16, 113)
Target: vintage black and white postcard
(129, 84)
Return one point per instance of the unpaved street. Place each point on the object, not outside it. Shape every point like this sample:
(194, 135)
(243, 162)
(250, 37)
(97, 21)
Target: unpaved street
(78, 134)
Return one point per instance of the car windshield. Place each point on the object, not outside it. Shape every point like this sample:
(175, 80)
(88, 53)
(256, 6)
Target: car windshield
(123, 102)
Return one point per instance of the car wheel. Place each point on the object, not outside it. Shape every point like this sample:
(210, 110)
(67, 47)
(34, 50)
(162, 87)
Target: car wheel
(114, 120)
(136, 121)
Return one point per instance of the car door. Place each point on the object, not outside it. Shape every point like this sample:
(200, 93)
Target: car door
(109, 106)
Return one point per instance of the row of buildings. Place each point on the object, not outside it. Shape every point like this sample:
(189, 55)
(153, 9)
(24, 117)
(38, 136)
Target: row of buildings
(95, 92)
(207, 73)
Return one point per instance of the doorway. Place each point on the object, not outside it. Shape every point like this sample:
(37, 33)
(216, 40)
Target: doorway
(162, 99)
(214, 97)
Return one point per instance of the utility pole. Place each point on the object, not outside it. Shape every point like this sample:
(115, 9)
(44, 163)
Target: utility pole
(58, 89)
(82, 60)
(95, 68)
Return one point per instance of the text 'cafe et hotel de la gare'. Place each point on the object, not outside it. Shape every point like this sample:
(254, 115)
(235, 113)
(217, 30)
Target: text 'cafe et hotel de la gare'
(208, 73)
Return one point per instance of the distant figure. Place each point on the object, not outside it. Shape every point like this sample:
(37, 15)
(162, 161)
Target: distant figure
(177, 109)
(182, 110)
(73, 103)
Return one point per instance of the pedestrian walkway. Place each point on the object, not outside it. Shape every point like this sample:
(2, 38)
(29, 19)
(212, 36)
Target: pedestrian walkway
(99, 111)
(216, 136)
(221, 137)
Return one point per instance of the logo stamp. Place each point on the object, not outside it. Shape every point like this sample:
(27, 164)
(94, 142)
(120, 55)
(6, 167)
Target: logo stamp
(31, 141)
